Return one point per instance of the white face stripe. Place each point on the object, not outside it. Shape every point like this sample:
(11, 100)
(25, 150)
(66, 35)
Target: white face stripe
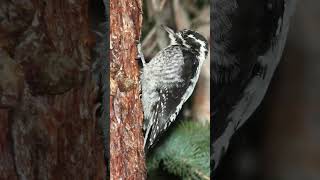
(172, 39)
(203, 48)
(183, 41)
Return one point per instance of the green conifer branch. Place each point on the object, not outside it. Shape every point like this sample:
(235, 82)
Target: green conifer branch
(185, 152)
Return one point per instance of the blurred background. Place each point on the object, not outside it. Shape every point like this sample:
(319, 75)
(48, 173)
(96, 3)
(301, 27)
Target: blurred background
(281, 141)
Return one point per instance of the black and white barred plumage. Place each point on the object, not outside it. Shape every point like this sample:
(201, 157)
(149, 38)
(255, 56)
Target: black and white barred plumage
(248, 40)
(169, 79)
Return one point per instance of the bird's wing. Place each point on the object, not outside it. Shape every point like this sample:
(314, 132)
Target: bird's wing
(172, 95)
(249, 41)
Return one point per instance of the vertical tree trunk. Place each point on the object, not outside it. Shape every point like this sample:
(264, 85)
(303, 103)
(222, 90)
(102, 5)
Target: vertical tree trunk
(126, 140)
(48, 128)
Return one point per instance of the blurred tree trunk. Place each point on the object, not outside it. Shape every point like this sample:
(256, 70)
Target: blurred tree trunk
(126, 139)
(48, 128)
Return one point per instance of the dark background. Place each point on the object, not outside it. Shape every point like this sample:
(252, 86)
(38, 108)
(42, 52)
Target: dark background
(282, 138)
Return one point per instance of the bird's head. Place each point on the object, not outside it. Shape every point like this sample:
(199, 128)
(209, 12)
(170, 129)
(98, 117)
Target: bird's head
(190, 39)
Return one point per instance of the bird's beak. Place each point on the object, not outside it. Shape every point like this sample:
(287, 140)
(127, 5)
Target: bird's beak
(169, 30)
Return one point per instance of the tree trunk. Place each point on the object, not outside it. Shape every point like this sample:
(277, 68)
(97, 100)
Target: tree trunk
(48, 128)
(126, 139)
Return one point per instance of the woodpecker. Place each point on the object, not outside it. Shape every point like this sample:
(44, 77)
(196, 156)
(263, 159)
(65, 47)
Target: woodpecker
(168, 80)
(248, 41)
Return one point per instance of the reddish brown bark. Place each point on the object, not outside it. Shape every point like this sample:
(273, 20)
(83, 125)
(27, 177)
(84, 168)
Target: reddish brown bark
(48, 128)
(126, 140)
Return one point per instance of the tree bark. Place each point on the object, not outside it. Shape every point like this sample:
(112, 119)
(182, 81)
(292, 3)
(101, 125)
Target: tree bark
(126, 139)
(48, 128)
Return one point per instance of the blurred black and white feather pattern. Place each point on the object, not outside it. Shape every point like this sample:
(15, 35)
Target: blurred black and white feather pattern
(248, 41)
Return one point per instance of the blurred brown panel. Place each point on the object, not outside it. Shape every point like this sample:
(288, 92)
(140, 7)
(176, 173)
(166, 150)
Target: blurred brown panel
(7, 169)
(47, 115)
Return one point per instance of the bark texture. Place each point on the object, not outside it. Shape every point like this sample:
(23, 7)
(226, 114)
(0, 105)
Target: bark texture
(48, 128)
(126, 139)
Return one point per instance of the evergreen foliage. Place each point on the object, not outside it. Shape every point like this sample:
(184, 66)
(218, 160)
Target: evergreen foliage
(185, 152)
